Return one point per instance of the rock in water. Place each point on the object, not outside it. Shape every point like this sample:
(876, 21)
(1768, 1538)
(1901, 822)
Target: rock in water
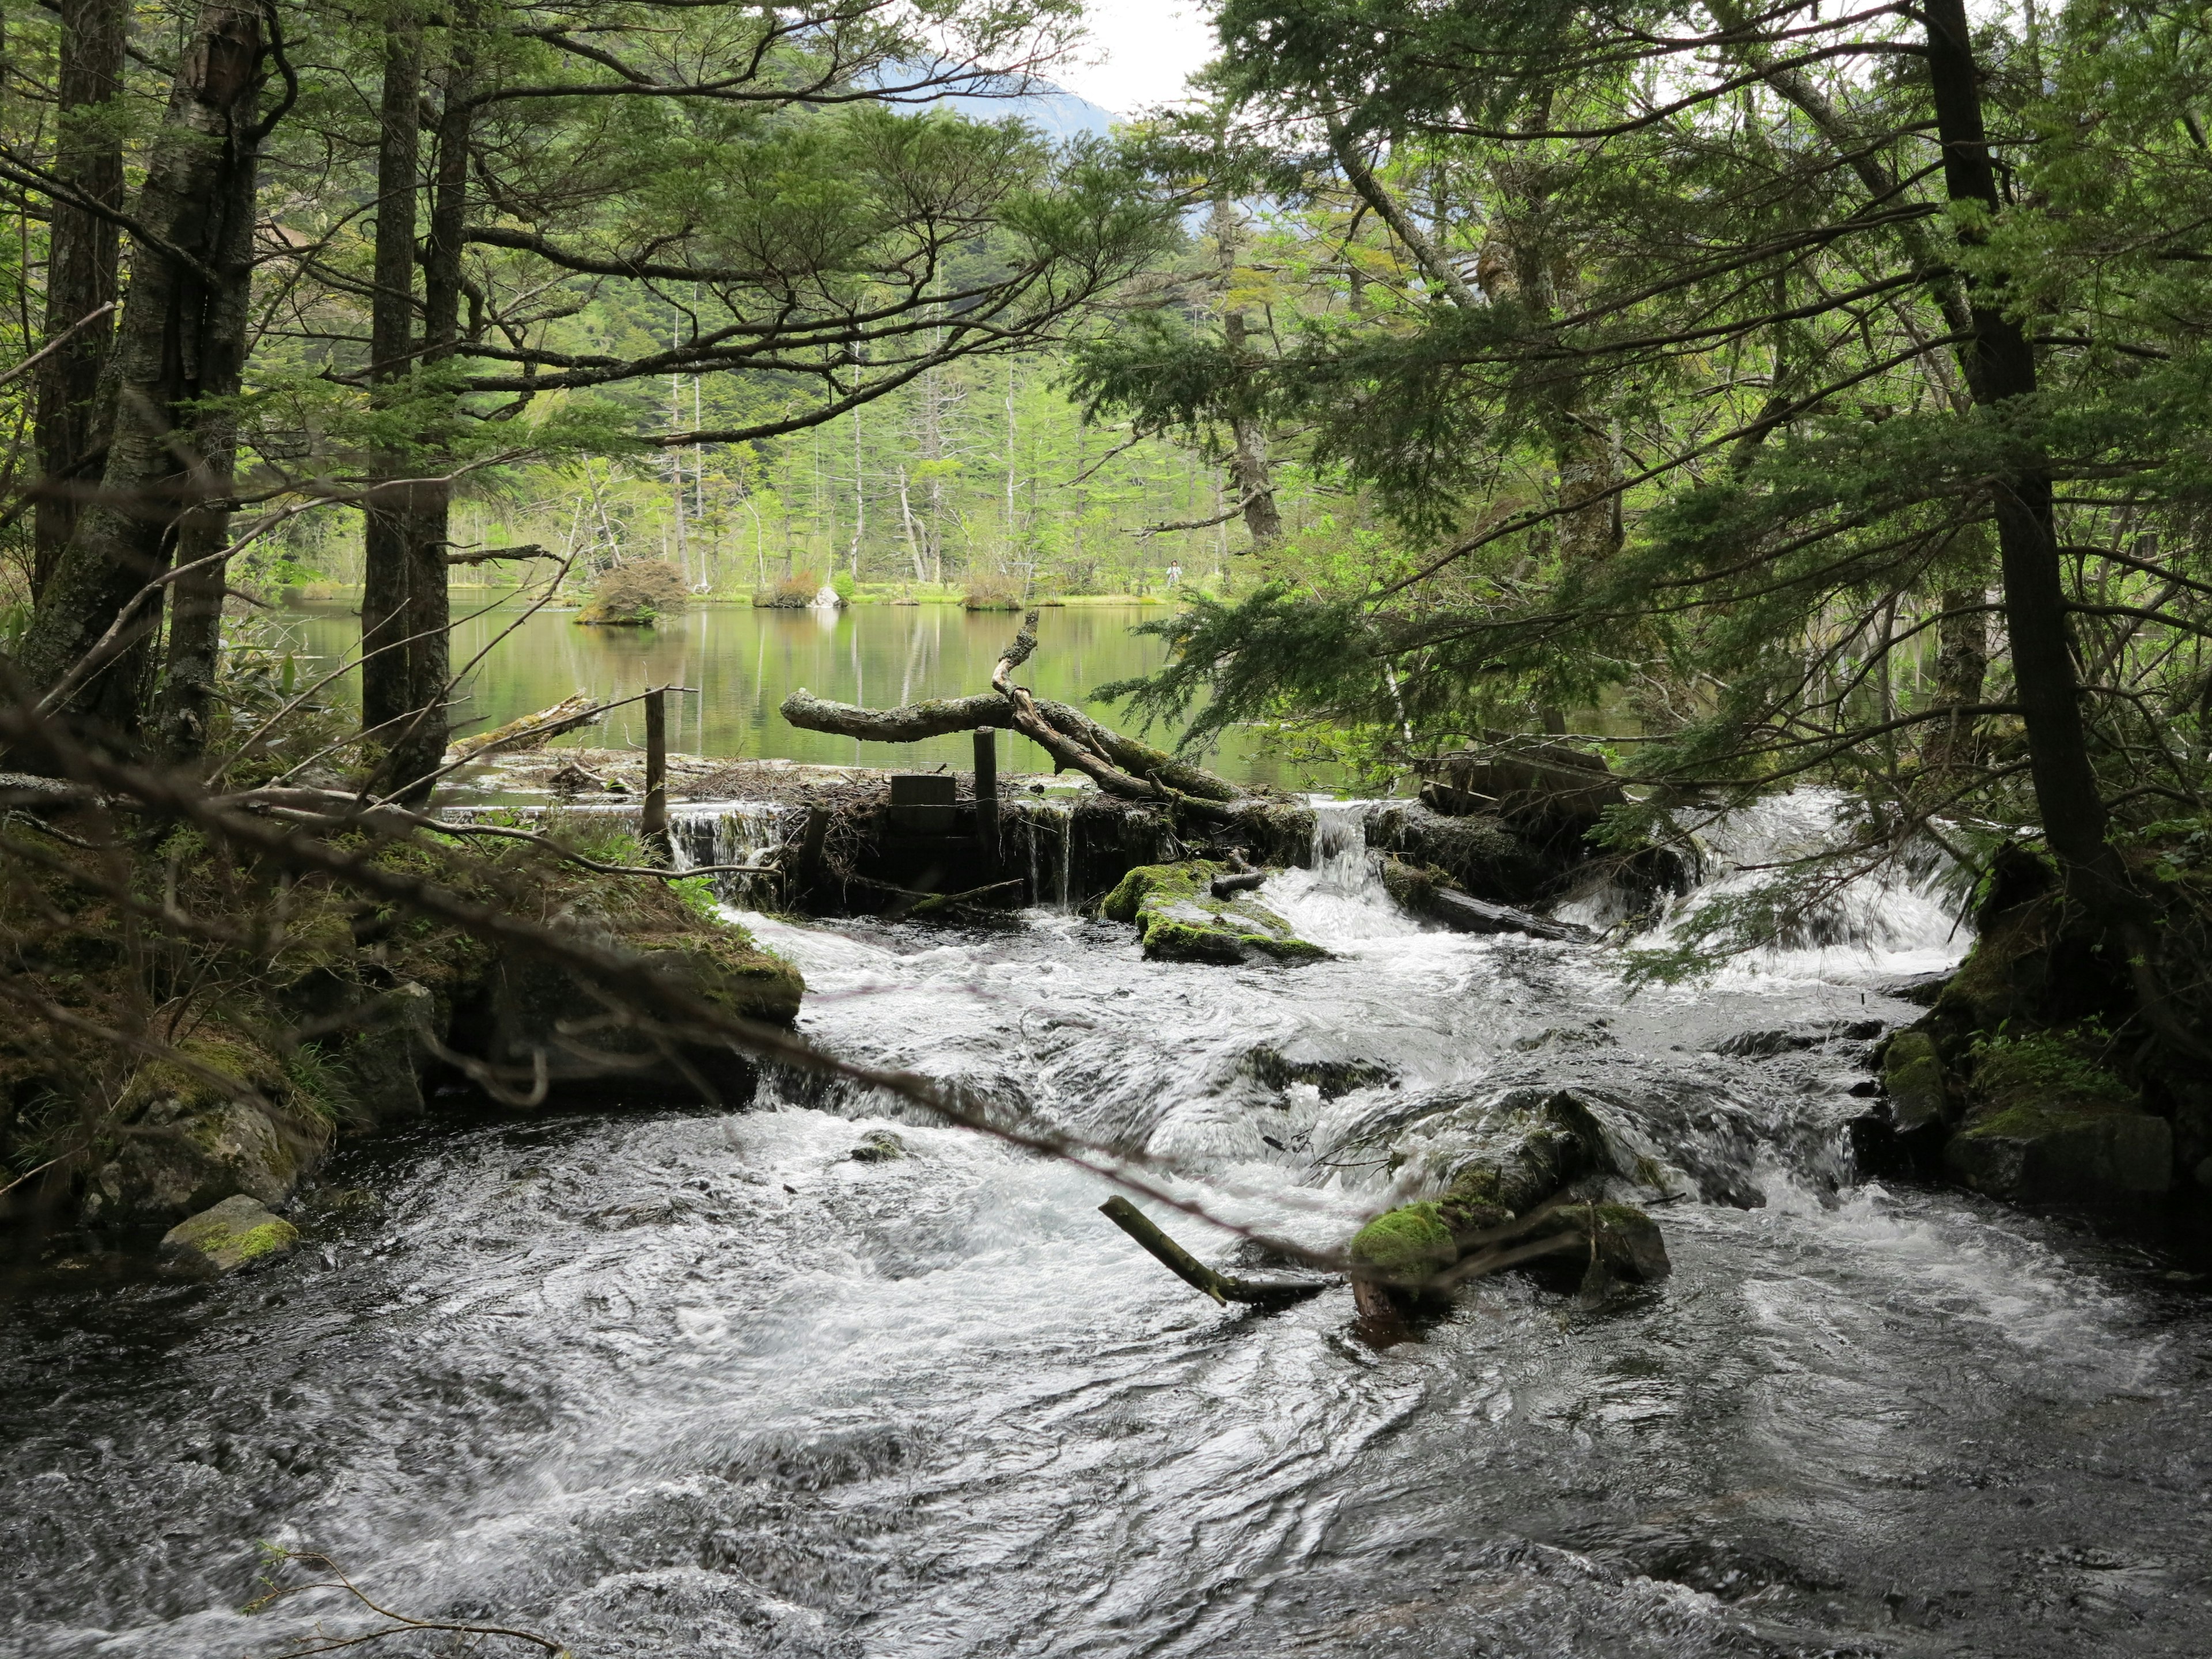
(1178, 918)
(1430, 891)
(881, 1146)
(2051, 1123)
(236, 1236)
(2059, 1153)
(1912, 1077)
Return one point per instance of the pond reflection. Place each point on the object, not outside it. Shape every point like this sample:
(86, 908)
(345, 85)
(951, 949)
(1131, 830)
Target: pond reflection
(743, 663)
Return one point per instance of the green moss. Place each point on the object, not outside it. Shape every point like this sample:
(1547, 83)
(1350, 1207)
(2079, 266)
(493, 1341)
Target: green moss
(247, 1067)
(1178, 918)
(1411, 1241)
(2053, 1069)
(257, 1242)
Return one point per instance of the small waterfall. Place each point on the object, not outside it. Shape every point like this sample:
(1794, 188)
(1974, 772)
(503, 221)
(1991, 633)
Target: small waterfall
(738, 832)
(1052, 866)
(1338, 856)
(1904, 915)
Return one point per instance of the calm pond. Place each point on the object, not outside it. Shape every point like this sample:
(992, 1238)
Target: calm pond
(744, 662)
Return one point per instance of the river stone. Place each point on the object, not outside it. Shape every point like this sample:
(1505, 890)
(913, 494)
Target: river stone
(1511, 1152)
(236, 1236)
(1912, 1077)
(188, 1143)
(2059, 1153)
(878, 1146)
(1629, 1246)
(1178, 918)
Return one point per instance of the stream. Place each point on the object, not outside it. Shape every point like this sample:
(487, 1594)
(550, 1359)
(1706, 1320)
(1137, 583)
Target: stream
(694, 1384)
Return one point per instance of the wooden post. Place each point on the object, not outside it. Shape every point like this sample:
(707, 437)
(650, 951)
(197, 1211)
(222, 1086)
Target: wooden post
(653, 823)
(809, 870)
(987, 797)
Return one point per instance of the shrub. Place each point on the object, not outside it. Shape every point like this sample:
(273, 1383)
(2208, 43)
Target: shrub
(634, 595)
(992, 590)
(794, 592)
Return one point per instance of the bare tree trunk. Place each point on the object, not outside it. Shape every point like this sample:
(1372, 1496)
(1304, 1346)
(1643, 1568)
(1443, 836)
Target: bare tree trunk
(1247, 462)
(181, 340)
(384, 599)
(430, 602)
(196, 610)
(81, 269)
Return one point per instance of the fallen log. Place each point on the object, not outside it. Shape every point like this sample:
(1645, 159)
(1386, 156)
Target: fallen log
(1242, 881)
(1463, 914)
(946, 717)
(1223, 1289)
(533, 731)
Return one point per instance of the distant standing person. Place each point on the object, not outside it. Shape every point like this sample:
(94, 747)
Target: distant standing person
(1175, 575)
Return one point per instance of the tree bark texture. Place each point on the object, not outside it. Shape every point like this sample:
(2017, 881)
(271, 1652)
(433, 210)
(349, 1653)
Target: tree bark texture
(81, 270)
(181, 340)
(428, 534)
(1962, 661)
(2001, 367)
(384, 677)
(1248, 461)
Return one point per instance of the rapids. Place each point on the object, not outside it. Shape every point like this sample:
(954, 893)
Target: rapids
(693, 1383)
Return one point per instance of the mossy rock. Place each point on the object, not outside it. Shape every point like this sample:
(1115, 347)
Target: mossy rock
(1412, 1242)
(1912, 1077)
(1178, 918)
(1412, 884)
(185, 1142)
(236, 1236)
(2062, 1152)
(1483, 854)
(1515, 1151)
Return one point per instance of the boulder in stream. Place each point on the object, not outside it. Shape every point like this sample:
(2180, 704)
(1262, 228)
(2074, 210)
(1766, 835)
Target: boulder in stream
(236, 1236)
(2048, 1123)
(1178, 918)
(1912, 1079)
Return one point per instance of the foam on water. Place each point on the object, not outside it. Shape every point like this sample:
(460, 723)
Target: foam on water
(690, 1383)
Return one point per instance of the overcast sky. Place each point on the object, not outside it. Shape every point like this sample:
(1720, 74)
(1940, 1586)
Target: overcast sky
(1139, 52)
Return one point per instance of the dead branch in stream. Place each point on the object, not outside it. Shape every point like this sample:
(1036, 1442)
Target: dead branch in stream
(396, 1622)
(1119, 764)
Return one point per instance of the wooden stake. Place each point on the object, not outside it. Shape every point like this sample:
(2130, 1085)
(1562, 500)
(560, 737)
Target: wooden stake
(652, 823)
(987, 797)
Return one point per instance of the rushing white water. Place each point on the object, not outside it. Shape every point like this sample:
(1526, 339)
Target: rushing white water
(693, 1383)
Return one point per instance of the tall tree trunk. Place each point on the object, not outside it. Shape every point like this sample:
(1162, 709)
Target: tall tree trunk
(1248, 456)
(1247, 462)
(196, 609)
(81, 269)
(1962, 661)
(2001, 367)
(429, 515)
(384, 598)
(182, 339)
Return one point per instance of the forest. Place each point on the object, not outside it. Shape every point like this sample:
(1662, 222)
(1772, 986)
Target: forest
(1685, 1136)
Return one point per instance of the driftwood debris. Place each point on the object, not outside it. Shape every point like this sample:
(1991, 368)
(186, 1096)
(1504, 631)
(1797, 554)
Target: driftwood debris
(1223, 1289)
(1239, 881)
